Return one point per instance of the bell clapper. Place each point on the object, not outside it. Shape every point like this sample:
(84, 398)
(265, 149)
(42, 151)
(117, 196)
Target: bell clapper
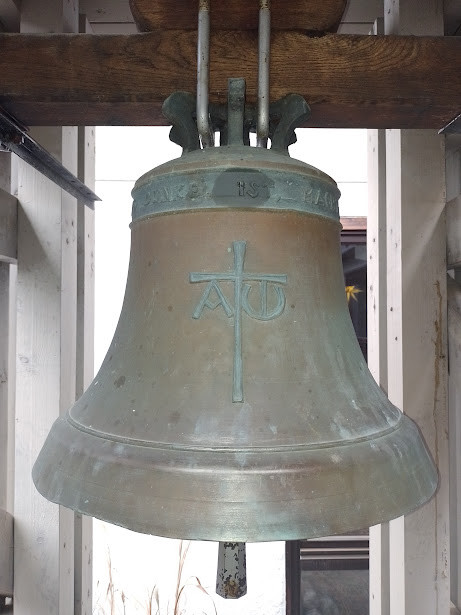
(231, 577)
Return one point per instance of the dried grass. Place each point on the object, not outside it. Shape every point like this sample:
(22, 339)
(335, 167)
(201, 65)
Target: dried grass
(114, 597)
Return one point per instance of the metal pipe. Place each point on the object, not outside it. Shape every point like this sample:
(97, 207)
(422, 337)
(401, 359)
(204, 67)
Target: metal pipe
(203, 74)
(264, 43)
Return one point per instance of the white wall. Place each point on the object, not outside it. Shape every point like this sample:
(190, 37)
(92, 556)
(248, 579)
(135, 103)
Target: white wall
(139, 563)
(342, 153)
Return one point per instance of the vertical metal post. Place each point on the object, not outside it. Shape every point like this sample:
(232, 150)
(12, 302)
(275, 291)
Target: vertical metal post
(203, 71)
(264, 42)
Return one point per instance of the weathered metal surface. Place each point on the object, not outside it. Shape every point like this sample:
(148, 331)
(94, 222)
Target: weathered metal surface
(233, 178)
(158, 443)
(264, 47)
(239, 278)
(286, 114)
(231, 577)
(203, 74)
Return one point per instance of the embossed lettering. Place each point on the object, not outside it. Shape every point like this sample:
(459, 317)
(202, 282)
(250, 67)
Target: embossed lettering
(252, 189)
(205, 300)
(318, 197)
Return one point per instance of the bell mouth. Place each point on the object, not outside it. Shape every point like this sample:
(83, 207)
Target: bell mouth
(244, 496)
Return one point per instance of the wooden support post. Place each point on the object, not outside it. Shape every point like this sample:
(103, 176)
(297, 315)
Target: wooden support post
(83, 572)
(46, 351)
(377, 334)
(45, 384)
(454, 346)
(417, 358)
(377, 341)
(8, 252)
(417, 345)
(417, 365)
(453, 171)
(5, 389)
(7, 380)
(419, 555)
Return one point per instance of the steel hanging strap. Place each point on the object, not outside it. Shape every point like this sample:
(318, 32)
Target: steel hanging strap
(264, 42)
(203, 74)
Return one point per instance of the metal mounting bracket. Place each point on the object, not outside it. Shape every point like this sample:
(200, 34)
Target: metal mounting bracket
(14, 138)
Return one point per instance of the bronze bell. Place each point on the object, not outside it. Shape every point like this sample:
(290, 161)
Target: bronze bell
(234, 403)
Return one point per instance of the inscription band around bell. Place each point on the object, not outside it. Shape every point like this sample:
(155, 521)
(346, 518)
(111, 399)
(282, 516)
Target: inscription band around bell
(234, 403)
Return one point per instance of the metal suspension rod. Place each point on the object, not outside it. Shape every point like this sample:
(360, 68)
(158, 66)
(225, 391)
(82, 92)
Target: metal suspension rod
(264, 42)
(203, 70)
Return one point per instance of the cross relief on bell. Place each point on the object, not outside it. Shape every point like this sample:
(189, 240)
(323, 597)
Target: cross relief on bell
(242, 289)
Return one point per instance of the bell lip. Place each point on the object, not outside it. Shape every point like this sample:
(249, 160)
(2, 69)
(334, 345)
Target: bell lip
(184, 506)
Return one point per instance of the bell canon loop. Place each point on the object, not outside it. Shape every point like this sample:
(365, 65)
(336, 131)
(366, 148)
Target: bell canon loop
(234, 403)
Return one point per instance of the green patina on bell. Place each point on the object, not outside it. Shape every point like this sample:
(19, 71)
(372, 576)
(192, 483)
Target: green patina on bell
(234, 403)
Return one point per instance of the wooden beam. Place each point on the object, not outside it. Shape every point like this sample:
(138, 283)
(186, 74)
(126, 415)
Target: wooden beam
(106, 11)
(322, 16)
(349, 81)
